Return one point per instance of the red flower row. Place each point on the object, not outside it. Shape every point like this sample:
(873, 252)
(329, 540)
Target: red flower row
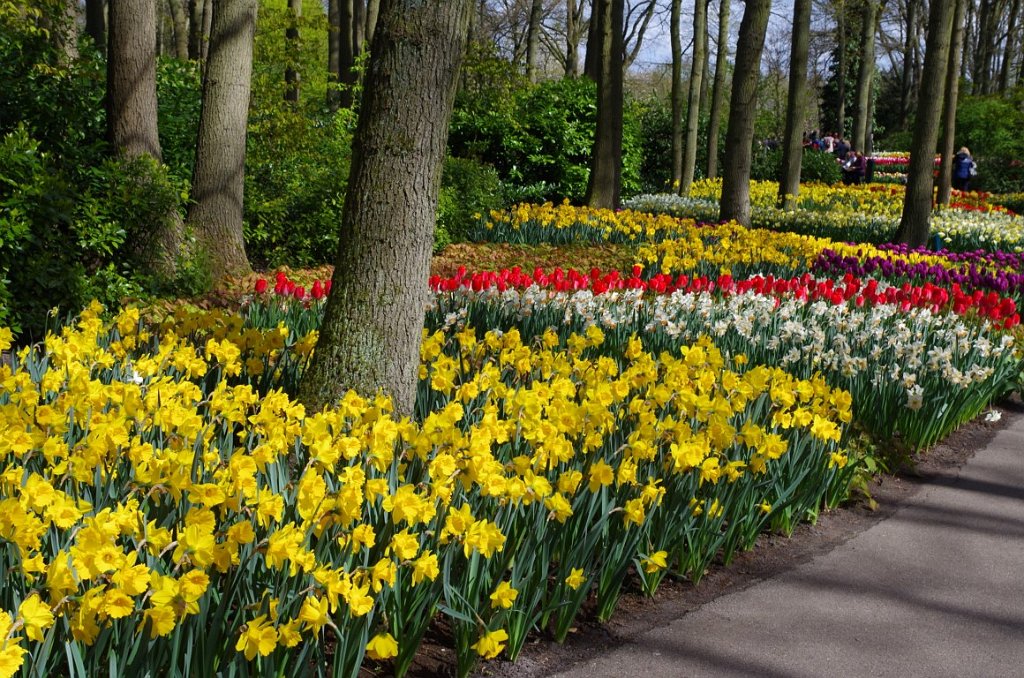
(283, 287)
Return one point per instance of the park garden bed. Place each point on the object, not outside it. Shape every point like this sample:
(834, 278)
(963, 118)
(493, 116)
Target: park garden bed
(580, 431)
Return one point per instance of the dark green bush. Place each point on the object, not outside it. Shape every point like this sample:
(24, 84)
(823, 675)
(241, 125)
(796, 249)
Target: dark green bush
(468, 189)
(990, 126)
(766, 165)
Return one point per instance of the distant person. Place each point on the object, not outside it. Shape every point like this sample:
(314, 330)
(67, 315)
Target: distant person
(964, 168)
(842, 149)
(860, 167)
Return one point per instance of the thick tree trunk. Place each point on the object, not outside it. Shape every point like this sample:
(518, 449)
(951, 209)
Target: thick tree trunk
(180, 21)
(195, 28)
(718, 91)
(675, 25)
(218, 180)
(792, 146)
(96, 23)
(917, 206)
(132, 109)
(358, 28)
(862, 110)
(605, 181)
(207, 29)
(65, 33)
(739, 138)
(533, 39)
(370, 336)
(949, 104)
(291, 36)
(700, 55)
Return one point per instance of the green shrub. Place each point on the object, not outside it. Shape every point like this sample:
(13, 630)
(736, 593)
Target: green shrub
(766, 165)
(990, 126)
(468, 188)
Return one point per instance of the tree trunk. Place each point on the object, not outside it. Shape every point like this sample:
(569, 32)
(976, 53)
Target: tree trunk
(195, 27)
(372, 11)
(132, 109)
(967, 60)
(370, 337)
(65, 33)
(358, 28)
(917, 206)
(842, 67)
(180, 21)
(592, 59)
(949, 104)
(605, 181)
(864, 75)
(533, 39)
(677, 94)
(985, 48)
(907, 76)
(792, 146)
(207, 30)
(96, 23)
(718, 91)
(291, 36)
(1010, 50)
(572, 37)
(218, 181)
(333, 54)
(346, 52)
(700, 55)
(739, 138)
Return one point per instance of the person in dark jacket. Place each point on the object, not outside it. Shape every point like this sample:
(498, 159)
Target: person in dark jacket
(963, 169)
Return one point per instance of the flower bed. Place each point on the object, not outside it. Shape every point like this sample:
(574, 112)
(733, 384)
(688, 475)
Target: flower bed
(164, 514)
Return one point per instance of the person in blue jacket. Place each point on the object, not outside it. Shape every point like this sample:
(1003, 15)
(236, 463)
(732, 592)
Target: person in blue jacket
(964, 169)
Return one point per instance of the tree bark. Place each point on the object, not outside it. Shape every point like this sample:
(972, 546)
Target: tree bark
(96, 23)
(949, 104)
(700, 55)
(346, 52)
(65, 33)
(195, 28)
(180, 21)
(907, 76)
(218, 181)
(573, 18)
(1010, 50)
(207, 30)
(358, 28)
(333, 54)
(864, 75)
(605, 182)
(842, 66)
(592, 59)
(370, 337)
(718, 91)
(739, 138)
(291, 36)
(917, 205)
(372, 11)
(533, 39)
(132, 108)
(792, 145)
(677, 93)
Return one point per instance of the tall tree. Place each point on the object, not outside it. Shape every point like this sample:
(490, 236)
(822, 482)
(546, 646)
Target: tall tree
(1010, 51)
(131, 107)
(218, 178)
(573, 34)
(700, 55)
(605, 181)
(907, 75)
(842, 66)
(65, 31)
(179, 19)
(533, 39)
(739, 138)
(346, 51)
(96, 23)
(370, 336)
(949, 104)
(372, 11)
(333, 54)
(917, 205)
(866, 72)
(718, 91)
(792, 146)
(675, 24)
(291, 36)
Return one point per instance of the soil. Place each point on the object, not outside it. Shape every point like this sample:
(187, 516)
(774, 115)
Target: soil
(772, 555)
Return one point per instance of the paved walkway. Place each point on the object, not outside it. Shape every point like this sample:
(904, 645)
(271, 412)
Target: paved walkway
(935, 590)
